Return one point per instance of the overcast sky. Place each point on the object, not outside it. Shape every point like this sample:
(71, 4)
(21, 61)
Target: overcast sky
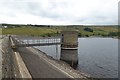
(59, 12)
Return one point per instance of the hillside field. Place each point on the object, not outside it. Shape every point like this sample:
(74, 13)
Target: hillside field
(55, 31)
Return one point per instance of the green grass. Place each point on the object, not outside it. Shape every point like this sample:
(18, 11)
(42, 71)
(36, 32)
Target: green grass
(98, 31)
(0, 31)
(54, 31)
(29, 31)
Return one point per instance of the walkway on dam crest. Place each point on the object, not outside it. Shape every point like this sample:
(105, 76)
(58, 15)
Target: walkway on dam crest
(39, 68)
(43, 67)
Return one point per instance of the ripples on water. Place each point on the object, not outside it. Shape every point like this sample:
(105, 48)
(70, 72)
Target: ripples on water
(97, 56)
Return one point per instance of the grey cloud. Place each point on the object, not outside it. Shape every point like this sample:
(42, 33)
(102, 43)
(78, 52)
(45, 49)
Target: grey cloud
(119, 13)
(14, 7)
(32, 8)
(96, 19)
(36, 9)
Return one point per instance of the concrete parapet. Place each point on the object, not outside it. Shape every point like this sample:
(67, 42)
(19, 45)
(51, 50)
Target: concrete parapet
(24, 73)
(21, 67)
(13, 65)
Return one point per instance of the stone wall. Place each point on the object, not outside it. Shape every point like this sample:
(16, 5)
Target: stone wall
(12, 64)
(7, 60)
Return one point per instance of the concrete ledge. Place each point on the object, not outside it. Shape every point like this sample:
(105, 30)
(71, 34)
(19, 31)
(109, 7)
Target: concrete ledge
(22, 67)
(69, 48)
(19, 63)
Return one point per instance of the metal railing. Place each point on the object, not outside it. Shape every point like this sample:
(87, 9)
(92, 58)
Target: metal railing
(36, 42)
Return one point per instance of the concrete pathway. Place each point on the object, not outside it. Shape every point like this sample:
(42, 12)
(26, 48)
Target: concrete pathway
(39, 68)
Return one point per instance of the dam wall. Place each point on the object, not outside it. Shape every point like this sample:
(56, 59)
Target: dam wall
(12, 63)
(29, 63)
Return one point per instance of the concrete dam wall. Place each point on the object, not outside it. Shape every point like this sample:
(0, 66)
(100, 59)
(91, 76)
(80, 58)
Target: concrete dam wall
(30, 63)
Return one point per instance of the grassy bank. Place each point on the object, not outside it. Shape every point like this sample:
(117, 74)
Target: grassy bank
(30, 31)
(55, 31)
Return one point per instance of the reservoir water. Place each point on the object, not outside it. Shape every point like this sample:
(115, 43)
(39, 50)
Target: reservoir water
(98, 57)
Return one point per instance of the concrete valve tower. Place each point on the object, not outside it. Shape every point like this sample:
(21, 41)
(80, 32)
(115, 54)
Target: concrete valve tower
(69, 47)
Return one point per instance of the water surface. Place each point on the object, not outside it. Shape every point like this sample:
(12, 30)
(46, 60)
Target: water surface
(97, 56)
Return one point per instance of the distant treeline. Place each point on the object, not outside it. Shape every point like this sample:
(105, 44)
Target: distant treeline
(31, 25)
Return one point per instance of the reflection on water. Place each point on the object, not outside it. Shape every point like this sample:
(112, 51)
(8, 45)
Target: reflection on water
(97, 56)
